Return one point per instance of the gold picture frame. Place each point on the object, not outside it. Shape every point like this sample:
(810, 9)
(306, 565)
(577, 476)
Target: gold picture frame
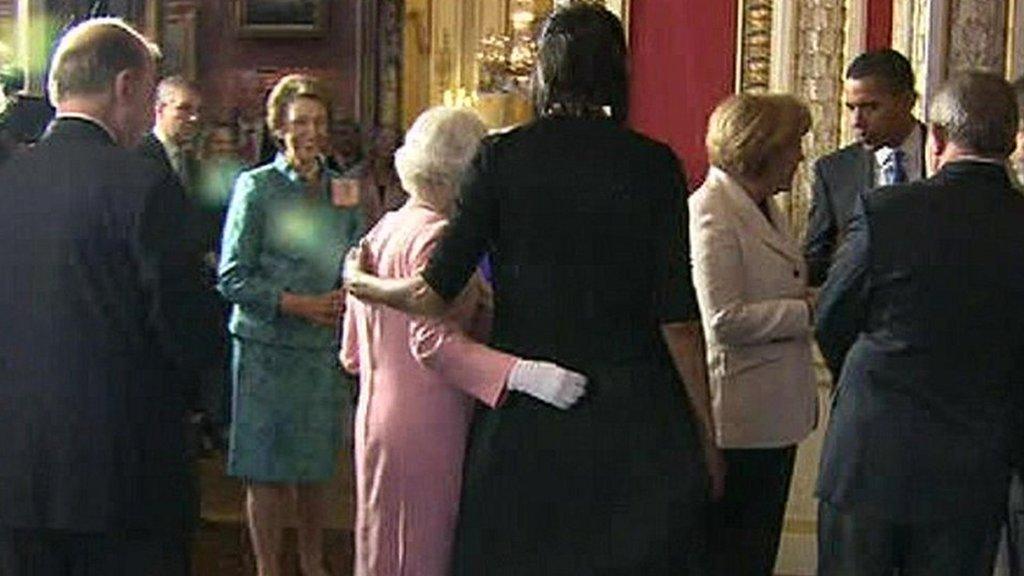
(281, 18)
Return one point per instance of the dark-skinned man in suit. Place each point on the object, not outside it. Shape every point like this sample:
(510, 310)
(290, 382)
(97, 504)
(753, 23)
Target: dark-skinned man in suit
(879, 96)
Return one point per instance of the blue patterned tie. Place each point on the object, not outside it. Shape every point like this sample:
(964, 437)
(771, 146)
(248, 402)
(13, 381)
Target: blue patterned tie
(894, 171)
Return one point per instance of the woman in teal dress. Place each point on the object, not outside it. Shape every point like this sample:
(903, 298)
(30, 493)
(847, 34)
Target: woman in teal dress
(284, 238)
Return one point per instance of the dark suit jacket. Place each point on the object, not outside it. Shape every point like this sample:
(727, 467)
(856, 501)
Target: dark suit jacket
(838, 178)
(924, 312)
(151, 147)
(102, 309)
(206, 221)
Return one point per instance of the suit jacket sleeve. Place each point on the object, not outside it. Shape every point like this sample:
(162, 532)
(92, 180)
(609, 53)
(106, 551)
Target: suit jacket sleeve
(842, 304)
(441, 345)
(471, 229)
(718, 274)
(822, 230)
(240, 279)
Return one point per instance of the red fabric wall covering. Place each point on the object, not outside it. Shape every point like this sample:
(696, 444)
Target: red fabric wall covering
(682, 63)
(230, 67)
(879, 24)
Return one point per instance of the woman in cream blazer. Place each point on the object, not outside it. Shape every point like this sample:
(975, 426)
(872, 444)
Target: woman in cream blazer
(757, 314)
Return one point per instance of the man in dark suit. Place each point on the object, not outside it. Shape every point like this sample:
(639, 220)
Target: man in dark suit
(926, 304)
(889, 149)
(172, 141)
(102, 309)
(172, 144)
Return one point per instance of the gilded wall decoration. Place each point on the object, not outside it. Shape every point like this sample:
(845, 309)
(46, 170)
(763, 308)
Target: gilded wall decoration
(1015, 39)
(820, 42)
(755, 46)
(380, 62)
(977, 35)
(919, 32)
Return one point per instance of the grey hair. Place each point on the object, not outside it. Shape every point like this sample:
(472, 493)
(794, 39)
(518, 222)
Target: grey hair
(173, 85)
(437, 149)
(978, 112)
(91, 55)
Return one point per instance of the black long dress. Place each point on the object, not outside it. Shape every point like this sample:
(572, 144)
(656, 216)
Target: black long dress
(586, 224)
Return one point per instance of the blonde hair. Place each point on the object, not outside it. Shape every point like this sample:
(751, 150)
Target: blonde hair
(91, 55)
(288, 89)
(437, 149)
(746, 131)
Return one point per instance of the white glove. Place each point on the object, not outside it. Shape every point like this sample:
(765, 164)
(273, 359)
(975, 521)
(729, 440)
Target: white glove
(547, 382)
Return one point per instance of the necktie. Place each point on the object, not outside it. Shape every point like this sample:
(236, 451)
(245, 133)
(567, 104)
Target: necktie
(894, 171)
(181, 167)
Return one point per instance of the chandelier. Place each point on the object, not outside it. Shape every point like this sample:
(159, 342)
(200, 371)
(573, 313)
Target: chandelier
(506, 60)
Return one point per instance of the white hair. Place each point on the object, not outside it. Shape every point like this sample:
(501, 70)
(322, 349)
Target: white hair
(437, 149)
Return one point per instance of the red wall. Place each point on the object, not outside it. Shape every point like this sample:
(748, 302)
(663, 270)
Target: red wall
(232, 69)
(682, 64)
(879, 24)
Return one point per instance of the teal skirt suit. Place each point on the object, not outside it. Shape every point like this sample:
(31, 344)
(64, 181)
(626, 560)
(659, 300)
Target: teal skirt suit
(289, 394)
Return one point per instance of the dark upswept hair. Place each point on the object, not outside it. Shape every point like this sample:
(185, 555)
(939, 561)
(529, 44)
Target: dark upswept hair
(581, 64)
(887, 65)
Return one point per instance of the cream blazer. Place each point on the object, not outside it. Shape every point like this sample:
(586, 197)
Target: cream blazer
(751, 279)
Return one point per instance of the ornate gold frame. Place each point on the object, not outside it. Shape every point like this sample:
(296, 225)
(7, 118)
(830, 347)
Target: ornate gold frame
(1014, 39)
(754, 46)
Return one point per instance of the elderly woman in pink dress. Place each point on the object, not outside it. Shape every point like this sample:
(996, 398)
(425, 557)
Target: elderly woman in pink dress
(421, 378)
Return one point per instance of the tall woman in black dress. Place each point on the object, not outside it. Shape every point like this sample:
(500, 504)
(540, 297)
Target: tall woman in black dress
(585, 222)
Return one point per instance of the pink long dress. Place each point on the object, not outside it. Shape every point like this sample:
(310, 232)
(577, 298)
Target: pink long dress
(418, 381)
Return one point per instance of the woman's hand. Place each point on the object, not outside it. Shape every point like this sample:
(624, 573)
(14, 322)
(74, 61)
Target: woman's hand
(411, 295)
(811, 298)
(356, 265)
(319, 309)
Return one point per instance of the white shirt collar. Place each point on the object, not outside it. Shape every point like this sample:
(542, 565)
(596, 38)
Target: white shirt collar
(912, 162)
(169, 144)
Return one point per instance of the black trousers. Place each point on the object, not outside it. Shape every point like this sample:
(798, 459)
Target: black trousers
(851, 544)
(61, 553)
(746, 525)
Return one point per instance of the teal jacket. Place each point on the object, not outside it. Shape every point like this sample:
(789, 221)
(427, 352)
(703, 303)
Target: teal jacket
(278, 239)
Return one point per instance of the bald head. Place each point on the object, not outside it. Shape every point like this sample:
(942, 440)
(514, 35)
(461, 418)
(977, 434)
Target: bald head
(106, 70)
(91, 54)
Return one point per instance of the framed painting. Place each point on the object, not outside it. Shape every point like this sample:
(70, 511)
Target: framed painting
(178, 39)
(281, 18)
